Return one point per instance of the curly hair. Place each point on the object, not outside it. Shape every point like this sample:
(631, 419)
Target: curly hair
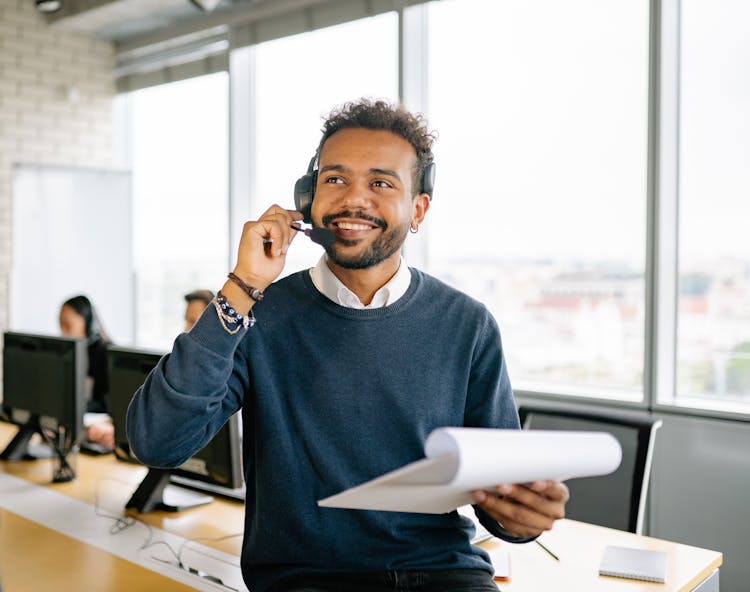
(382, 115)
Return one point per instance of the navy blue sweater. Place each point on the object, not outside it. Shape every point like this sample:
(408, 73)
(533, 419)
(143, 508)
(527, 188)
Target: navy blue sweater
(331, 397)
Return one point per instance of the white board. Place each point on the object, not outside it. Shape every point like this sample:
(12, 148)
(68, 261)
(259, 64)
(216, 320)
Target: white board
(71, 234)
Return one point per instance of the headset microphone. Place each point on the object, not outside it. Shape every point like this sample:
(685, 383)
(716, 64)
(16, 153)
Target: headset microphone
(324, 237)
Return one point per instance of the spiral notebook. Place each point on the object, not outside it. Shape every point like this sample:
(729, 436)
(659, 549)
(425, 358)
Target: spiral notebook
(634, 564)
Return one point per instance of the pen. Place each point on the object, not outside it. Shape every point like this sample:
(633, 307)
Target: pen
(546, 549)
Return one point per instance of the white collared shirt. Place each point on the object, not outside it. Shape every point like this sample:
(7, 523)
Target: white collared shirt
(332, 288)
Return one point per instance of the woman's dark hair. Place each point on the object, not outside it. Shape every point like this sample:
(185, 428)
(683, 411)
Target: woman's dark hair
(382, 115)
(82, 305)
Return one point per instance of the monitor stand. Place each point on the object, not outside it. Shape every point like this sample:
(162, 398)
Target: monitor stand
(63, 444)
(19, 448)
(155, 493)
(232, 493)
(60, 444)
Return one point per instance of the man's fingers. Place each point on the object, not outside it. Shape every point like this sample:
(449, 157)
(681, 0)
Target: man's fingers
(546, 490)
(519, 529)
(264, 244)
(525, 510)
(527, 506)
(277, 221)
(554, 490)
(539, 502)
(517, 518)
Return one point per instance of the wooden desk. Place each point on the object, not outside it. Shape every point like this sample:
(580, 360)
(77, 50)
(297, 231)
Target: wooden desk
(103, 480)
(580, 547)
(37, 558)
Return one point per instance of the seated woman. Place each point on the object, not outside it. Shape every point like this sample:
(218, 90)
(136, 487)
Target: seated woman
(78, 318)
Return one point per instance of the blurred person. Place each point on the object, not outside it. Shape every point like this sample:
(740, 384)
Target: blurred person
(78, 318)
(197, 301)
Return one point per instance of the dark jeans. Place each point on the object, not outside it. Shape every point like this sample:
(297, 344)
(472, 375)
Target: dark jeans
(454, 580)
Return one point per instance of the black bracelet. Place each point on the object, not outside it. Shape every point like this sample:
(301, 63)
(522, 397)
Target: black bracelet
(254, 293)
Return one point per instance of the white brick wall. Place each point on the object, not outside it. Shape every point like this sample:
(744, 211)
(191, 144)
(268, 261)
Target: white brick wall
(41, 122)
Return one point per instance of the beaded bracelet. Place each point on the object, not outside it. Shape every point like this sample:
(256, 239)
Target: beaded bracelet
(227, 314)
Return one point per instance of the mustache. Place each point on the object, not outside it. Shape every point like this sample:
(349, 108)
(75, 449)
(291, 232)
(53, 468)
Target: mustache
(359, 214)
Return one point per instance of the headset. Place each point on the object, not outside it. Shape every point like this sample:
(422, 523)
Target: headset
(304, 188)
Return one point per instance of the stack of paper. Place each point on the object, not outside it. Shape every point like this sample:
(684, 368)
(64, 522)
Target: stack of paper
(460, 460)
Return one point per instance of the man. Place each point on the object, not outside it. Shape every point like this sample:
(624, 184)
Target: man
(197, 301)
(348, 369)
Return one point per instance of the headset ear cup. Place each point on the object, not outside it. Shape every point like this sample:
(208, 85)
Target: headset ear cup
(304, 190)
(428, 179)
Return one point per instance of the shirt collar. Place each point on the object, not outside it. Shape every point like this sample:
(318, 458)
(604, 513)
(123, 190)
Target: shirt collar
(332, 288)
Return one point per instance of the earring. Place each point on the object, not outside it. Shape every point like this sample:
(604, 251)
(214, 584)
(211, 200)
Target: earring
(414, 228)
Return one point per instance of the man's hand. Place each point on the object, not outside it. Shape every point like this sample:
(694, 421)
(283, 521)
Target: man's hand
(525, 510)
(102, 433)
(262, 253)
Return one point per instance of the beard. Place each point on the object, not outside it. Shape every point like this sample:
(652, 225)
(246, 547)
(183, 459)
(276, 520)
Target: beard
(388, 243)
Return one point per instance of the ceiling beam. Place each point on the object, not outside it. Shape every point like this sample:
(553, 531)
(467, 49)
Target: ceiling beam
(238, 15)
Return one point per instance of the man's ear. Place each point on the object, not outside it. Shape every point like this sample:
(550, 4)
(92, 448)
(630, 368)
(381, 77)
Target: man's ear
(420, 206)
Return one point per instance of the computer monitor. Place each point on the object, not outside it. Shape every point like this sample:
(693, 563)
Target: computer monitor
(44, 391)
(217, 468)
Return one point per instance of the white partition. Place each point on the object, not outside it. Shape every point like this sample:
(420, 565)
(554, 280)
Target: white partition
(71, 234)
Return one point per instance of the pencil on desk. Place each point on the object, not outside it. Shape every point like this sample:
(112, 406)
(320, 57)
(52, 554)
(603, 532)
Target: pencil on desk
(546, 549)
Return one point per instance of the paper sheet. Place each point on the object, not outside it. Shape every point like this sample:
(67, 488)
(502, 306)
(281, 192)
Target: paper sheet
(459, 460)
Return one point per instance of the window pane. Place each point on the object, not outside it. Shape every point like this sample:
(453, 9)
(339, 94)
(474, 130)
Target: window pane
(540, 198)
(180, 204)
(299, 80)
(713, 346)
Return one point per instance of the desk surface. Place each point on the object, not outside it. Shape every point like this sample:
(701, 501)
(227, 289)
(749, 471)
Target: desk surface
(103, 480)
(37, 558)
(580, 547)
(55, 558)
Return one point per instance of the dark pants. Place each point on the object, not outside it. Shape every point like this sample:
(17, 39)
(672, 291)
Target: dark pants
(455, 580)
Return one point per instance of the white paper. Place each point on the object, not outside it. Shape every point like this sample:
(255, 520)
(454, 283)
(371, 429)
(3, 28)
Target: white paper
(460, 460)
(501, 562)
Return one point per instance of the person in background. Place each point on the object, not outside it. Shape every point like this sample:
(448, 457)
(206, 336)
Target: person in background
(197, 301)
(78, 318)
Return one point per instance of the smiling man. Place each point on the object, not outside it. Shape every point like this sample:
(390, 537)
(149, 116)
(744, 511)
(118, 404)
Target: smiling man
(369, 209)
(348, 368)
(350, 188)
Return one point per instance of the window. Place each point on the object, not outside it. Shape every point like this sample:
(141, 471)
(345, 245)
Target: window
(298, 81)
(540, 207)
(180, 165)
(540, 199)
(713, 318)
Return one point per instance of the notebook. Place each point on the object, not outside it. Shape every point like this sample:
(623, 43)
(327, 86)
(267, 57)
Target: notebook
(635, 564)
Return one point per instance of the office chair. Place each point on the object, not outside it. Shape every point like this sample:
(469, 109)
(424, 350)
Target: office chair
(617, 500)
